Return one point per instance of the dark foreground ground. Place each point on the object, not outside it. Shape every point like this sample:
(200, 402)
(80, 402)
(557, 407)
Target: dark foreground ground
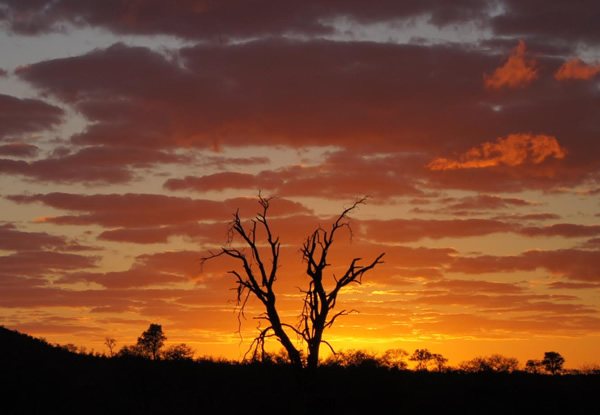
(38, 379)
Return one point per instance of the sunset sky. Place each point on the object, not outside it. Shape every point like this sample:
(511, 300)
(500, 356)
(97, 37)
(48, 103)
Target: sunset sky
(130, 131)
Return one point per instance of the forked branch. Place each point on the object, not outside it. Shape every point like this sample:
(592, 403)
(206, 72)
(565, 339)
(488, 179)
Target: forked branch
(258, 275)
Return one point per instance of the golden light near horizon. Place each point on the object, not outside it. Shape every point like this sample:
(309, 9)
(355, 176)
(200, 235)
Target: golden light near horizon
(130, 135)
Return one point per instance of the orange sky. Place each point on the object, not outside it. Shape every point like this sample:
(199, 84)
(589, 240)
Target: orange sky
(129, 134)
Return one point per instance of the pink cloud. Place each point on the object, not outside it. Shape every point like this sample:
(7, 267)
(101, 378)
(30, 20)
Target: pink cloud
(576, 69)
(518, 71)
(512, 150)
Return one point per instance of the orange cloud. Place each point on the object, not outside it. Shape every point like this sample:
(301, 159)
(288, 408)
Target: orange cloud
(516, 72)
(576, 69)
(512, 150)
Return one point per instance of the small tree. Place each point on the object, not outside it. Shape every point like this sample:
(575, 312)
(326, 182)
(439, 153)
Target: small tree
(534, 366)
(395, 359)
(553, 362)
(494, 363)
(151, 341)
(178, 352)
(134, 351)
(257, 278)
(353, 358)
(110, 344)
(422, 357)
(439, 361)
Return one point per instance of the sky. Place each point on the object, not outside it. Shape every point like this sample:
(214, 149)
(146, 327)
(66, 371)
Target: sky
(131, 131)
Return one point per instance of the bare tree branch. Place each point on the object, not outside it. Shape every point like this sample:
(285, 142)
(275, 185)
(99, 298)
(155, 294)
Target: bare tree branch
(257, 279)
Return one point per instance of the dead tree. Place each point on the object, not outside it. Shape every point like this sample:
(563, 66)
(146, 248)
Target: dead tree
(258, 276)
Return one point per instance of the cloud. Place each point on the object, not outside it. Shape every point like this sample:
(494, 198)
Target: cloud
(18, 150)
(593, 243)
(12, 239)
(518, 71)
(147, 270)
(474, 286)
(406, 230)
(217, 94)
(222, 181)
(487, 202)
(563, 22)
(90, 164)
(529, 217)
(512, 150)
(571, 264)
(40, 263)
(228, 19)
(133, 209)
(576, 69)
(562, 229)
(497, 327)
(23, 116)
(560, 285)
(359, 97)
(381, 176)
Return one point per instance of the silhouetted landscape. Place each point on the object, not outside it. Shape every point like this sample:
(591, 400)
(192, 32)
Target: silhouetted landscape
(38, 377)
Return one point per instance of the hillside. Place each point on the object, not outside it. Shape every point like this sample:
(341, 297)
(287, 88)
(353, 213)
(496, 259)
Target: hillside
(39, 378)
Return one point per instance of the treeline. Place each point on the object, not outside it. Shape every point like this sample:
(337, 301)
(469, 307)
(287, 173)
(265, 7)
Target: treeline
(151, 345)
(36, 377)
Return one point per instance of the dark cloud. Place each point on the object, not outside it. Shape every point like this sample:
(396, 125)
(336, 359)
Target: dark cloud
(381, 176)
(147, 270)
(23, 116)
(359, 96)
(12, 239)
(343, 93)
(18, 150)
(40, 263)
(140, 210)
(226, 18)
(558, 21)
(90, 164)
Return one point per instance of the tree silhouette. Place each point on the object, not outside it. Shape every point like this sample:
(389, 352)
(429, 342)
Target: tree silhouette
(395, 359)
(257, 278)
(354, 358)
(553, 362)
(422, 357)
(178, 352)
(110, 344)
(493, 363)
(533, 366)
(439, 361)
(151, 341)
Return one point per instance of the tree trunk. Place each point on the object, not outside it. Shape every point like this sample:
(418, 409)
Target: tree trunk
(293, 353)
(313, 348)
